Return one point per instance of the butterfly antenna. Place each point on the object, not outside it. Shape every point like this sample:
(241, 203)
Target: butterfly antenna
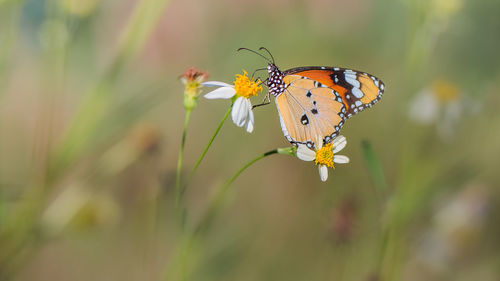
(258, 69)
(257, 53)
(265, 49)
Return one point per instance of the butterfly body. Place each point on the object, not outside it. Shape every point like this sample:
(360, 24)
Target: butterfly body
(316, 101)
(275, 82)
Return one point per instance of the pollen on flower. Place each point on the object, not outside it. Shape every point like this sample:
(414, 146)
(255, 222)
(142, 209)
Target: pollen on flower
(445, 91)
(245, 87)
(324, 156)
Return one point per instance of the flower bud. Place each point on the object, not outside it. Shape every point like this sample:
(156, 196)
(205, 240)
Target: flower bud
(192, 79)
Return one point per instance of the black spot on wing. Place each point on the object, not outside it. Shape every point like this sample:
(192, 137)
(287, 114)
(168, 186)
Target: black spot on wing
(304, 120)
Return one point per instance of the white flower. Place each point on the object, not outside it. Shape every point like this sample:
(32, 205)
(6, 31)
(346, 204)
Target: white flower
(243, 89)
(440, 104)
(324, 155)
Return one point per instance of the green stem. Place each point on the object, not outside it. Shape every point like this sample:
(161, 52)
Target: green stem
(179, 160)
(375, 170)
(193, 171)
(382, 249)
(221, 192)
(377, 176)
(189, 237)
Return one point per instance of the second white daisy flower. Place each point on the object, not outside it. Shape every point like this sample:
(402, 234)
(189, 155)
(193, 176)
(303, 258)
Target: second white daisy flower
(324, 155)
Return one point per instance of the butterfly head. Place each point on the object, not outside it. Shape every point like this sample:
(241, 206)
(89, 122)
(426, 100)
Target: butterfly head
(275, 80)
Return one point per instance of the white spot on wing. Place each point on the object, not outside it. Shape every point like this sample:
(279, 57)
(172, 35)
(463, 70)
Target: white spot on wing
(351, 79)
(357, 93)
(358, 103)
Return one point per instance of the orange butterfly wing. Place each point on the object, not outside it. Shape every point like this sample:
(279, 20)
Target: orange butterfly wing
(317, 101)
(307, 111)
(358, 90)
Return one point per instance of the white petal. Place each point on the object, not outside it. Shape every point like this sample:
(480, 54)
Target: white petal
(216, 84)
(221, 93)
(304, 153)
(453, 110)
(338, 143)
(474, 106)
(323, 172)
(250, 121)
(447, 125)
(340, 159)
(239, 114)
(424, 109)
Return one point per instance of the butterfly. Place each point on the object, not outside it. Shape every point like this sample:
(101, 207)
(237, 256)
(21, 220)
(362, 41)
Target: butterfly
(317, 100)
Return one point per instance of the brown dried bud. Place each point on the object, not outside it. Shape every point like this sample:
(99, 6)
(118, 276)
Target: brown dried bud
(192, 79)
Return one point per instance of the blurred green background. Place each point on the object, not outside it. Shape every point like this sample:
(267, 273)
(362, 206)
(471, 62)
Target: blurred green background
(91, 120)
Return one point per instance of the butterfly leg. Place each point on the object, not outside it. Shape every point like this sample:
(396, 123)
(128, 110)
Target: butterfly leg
(265, 101)
(262, 81)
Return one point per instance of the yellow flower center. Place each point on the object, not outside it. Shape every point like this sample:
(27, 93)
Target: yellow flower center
(324, 156)
(445, 91)
(245, 87)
